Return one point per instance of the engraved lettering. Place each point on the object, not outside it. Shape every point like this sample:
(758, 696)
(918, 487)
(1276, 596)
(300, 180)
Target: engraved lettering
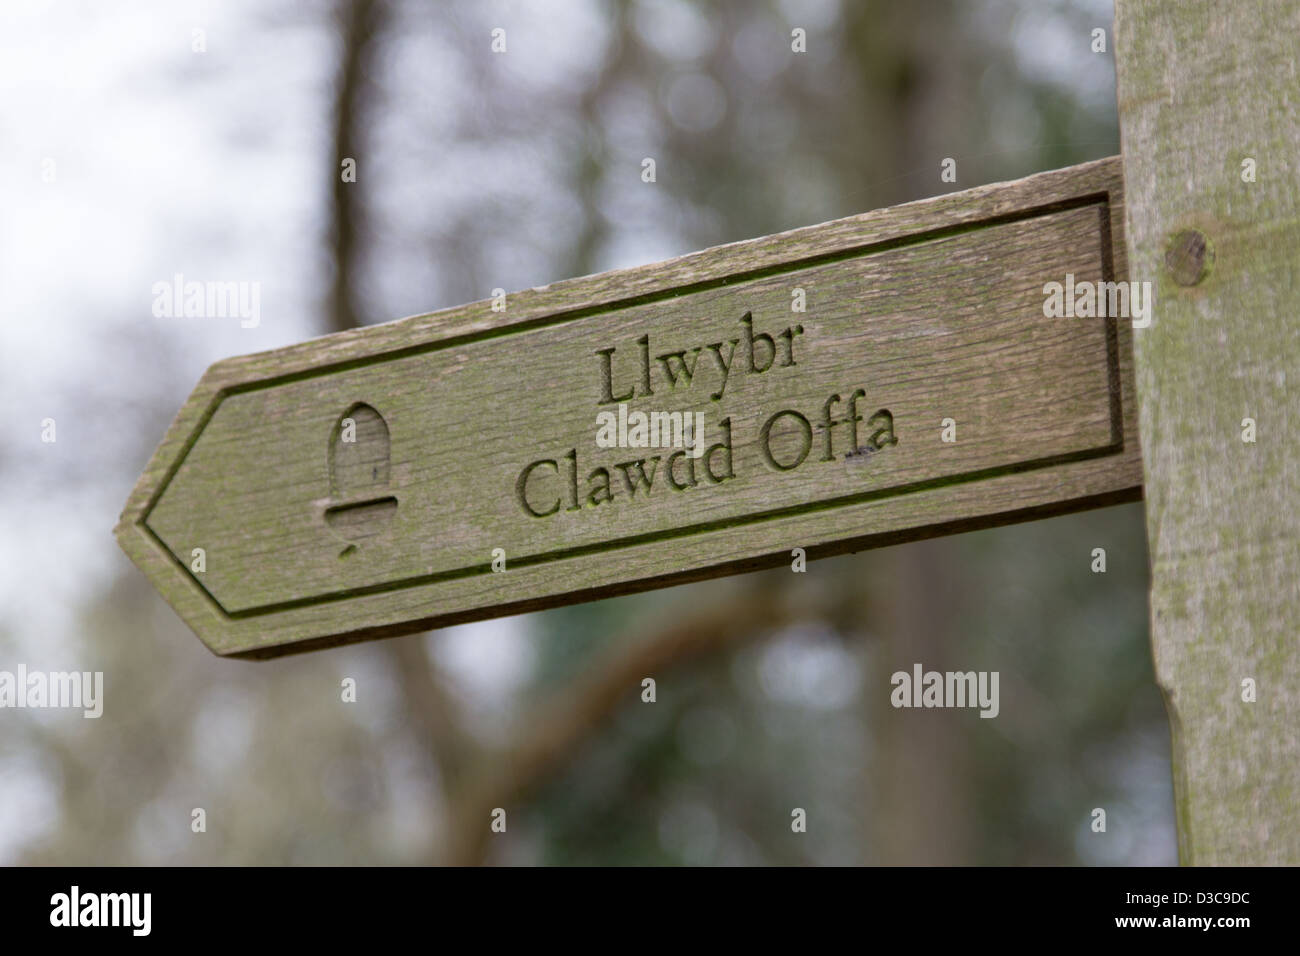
(642, 478)
(684, 372)
(884, 433)
(678, 368)
(644, 342)
(607, 378)
(827, 425)
(521, 489)
(853, 420)
(572, 459)
(723, 446)
(723, 366)
(751, 339)
(789, 335)
(765, 438)
(598, 486)
(690, 471)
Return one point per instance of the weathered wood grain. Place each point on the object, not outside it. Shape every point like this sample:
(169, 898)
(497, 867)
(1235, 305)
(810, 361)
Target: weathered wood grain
(914, 315)
(1204, 86)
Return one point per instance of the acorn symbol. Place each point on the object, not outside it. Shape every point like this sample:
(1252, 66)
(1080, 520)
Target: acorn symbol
(361, 504)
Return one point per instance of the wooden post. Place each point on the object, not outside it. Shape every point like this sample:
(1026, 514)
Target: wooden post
(1209, 105)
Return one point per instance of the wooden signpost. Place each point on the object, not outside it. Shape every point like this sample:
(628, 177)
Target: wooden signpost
(862, 382)
(1209, 108)
(903, 373)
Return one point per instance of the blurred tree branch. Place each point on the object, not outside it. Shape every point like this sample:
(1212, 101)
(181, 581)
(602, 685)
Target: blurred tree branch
(548, 736)
(429, 706)
(361, 24)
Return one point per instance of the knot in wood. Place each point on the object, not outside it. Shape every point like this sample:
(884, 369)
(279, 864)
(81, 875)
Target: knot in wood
(1189, 257)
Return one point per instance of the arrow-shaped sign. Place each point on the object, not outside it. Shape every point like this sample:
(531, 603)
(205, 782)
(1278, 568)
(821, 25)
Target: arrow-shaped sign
(927, 368)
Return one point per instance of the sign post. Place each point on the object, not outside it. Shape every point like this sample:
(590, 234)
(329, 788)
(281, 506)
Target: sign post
(1208, 99)
(908, 372)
